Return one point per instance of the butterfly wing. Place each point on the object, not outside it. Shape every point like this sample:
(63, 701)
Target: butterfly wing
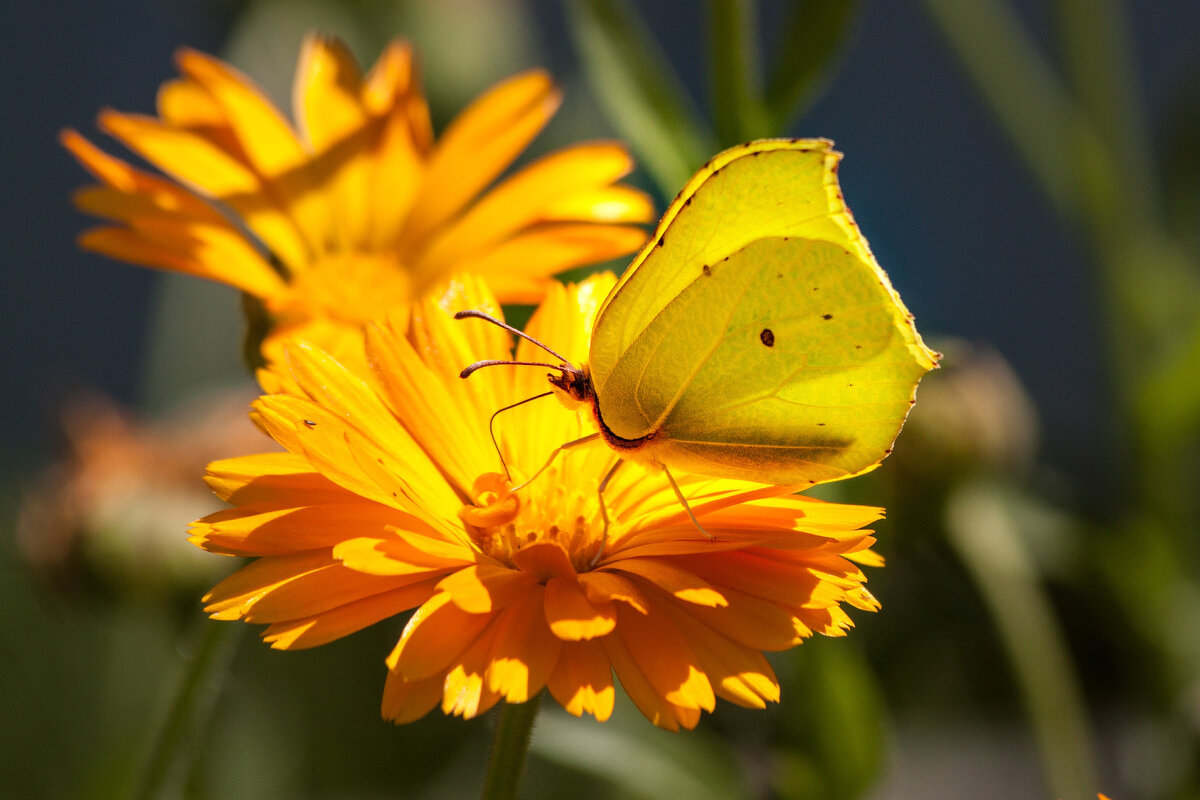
(773, 187)
(786, 359)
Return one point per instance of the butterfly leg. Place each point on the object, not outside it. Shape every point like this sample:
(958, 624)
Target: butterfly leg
(496, 443)
(553, 456)
(604, 509)
(683, 501)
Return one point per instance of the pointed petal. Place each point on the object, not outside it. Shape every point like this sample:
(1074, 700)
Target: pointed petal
(672, 579)
(436, 637)
(524, 651)
(572, 616)
(485, 588)
(407, 701)
(477, 146)
(318, 629)
(582, 681)
(281, 479)
(521, 201)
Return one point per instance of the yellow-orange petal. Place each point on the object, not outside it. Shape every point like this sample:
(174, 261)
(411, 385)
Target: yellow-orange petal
(407, 701)
(308, 430)
(318, 629)
(751, 621)
(582, 680)
(520, 201)
(738, 673)
(572, 616)
(477, 146)
(619, 203)
(133, 182)
(197, 162)
(281, 479)
(609, 586)
(395, 556)
(541, 251)
(436, 636)
(327, 97)
(416, 393)
(214, 252)
(673, 579)
(524, 651)
(233, 597)
(485, 588)
(273, 530)
(348, 397)
(665, 658)
(184, 103)
(648, 699)
(466, 693)
(265, 136)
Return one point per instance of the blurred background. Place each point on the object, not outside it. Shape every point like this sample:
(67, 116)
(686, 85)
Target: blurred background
(1028, 173)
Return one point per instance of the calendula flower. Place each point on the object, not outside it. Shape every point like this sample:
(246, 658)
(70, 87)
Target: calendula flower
(357, 209)
(391, 496)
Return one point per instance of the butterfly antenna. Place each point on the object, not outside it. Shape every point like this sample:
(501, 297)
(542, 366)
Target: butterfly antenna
(473, 314)
(492, 426)
(495, 362)
(683, 501)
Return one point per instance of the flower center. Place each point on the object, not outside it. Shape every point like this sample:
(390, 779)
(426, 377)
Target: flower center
(505, 525)
(351, 287)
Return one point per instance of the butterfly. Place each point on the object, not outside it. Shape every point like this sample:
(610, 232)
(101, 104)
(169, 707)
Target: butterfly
(754, 336)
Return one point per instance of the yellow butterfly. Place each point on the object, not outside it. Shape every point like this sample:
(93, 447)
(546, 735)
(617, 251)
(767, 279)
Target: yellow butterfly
(754, 336)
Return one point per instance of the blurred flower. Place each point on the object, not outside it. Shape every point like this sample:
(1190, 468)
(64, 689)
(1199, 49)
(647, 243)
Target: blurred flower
(396, 500)
(357, 210)
(974, 416)
(110, 510)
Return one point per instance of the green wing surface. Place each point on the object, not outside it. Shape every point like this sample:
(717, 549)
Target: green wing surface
(766, 188)
(786, 362)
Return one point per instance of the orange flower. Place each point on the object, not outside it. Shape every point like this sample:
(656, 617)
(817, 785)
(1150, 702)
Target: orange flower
(395, 498)
(358, 209)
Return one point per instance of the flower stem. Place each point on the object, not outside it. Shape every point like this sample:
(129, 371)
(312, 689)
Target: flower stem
(509, 749)
(190, 709)
(981, 528)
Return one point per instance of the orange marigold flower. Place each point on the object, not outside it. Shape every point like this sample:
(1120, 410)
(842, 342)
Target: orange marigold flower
(392, 497)
(356, 210)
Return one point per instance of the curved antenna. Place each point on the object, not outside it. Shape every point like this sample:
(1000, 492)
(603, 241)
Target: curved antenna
(473, 314)
(496, 362)
(492, 424)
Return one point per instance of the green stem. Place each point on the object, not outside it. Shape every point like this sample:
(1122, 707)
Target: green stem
(736, 93)
(981, 528)
(190, 709)
(509, 749)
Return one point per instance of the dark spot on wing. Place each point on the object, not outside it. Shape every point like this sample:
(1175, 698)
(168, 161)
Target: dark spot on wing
(778, 274)
(706, 269)
(820, 424)
(310, 423)
(827, 316)
(767, 337)
(661, 240)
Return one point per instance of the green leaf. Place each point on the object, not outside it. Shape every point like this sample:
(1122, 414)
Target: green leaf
(638, 88)
(734, 73)
(812, 36)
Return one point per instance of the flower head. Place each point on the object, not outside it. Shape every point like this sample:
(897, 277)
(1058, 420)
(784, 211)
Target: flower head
(355, 210)
(392, 497)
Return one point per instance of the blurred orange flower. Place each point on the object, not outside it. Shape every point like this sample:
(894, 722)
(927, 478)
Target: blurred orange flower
(357, 210)
(391, 496)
